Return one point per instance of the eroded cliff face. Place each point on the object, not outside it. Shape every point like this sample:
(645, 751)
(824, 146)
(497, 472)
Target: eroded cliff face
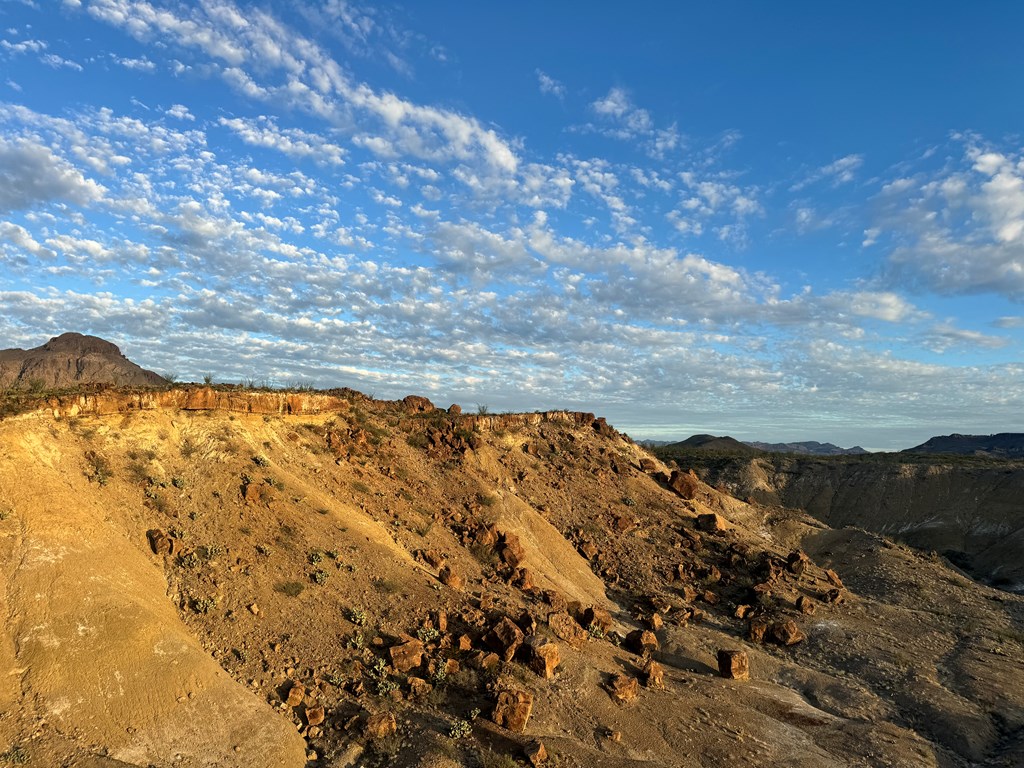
(972, 512)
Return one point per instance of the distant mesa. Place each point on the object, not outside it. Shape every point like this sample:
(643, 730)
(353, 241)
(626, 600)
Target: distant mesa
(71, 360)
(1005, 445)
(712, 443)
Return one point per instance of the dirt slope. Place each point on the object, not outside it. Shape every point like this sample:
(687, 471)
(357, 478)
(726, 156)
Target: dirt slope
(376, 554)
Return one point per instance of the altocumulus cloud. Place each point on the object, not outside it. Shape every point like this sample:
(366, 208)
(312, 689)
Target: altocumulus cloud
(300, 223)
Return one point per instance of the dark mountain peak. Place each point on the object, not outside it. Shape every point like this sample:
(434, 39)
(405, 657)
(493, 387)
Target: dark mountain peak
(80, 344)
(71, 360)
(723, 444)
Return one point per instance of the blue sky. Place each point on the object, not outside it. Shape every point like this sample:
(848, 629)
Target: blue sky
(776, 221)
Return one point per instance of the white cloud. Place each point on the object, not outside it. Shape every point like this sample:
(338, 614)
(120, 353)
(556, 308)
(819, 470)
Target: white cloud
(31, 173)
(617, 106)
(548, 85)
(962, 230)
(141, 64)
(294, 142)
(841, 171)
(180, 112)
(58, 62)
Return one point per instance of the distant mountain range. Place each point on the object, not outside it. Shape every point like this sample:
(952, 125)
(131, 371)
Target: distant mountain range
(1005, 445)
(810, 447)
(728, 444)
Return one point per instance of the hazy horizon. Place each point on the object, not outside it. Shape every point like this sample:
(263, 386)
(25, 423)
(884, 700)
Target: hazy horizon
(780, 223)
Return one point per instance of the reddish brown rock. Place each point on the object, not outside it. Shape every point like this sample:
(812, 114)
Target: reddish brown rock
(786, 632)
(512, 551)
(513, 710)
(654, 675)
(380, 726)
(805, 605)
(834, 596)
(655, 622)
(487, 662)
(452, 578)
(833, 578)
(418, 687)
(465, 642)
(589, 550)
(642, 641)
(522, 579)
(296, 694)
(535, 753)
(528, 623)
(742, 611)
(624, 689)
(433, 558)
(567, 628)
(486, 536)
(315, 715)
(710, 597)
(685, 484)
(648, 465)
(734, 665)
(406, 656)
(597, 617)
(712, 522)
(455, 409)
(797, 562)
(544, 659)
(689, 593)
(418, 404)
(160, 542)
(757, 630)
(555, 600)
(504, 638)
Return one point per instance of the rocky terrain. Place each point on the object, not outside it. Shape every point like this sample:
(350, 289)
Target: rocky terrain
(203, 576)
(70, 360)
(969, 510)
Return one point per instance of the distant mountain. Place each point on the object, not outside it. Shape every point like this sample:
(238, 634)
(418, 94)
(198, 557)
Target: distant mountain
(724, 444)
(1005, 445)
(809, 447)
(70, 360)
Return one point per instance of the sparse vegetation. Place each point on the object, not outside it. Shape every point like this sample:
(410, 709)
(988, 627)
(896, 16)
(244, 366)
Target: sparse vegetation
(463, 727)
(319, 576)
(380, 681)
(204, 604)
(290, 588)
(427, 634)
(16, 755)
(357, 616)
